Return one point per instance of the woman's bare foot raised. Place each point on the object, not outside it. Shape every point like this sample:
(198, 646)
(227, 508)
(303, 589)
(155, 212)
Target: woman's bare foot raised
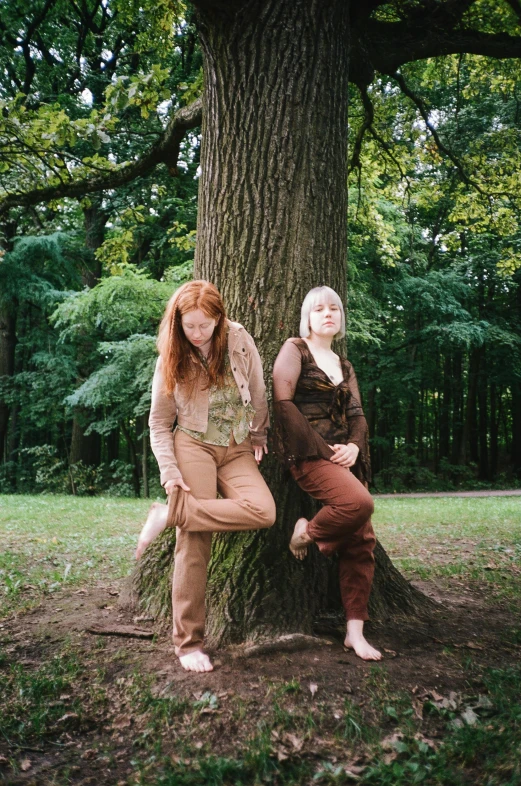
(155, 523)
(196, 661)
(355, 640)
(300, 539)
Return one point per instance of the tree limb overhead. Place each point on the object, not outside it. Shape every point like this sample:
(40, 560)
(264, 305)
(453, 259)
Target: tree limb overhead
(164, 151)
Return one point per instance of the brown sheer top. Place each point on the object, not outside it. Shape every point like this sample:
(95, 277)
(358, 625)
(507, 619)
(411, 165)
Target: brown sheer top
(311, 412)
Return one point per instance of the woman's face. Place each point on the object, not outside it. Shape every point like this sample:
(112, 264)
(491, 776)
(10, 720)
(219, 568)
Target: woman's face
(325, 319)
(198, 327)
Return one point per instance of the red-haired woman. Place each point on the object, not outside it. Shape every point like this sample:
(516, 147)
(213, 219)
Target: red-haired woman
(208, 380)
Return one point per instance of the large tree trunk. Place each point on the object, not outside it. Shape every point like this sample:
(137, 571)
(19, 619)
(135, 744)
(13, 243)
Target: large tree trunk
(271, 225)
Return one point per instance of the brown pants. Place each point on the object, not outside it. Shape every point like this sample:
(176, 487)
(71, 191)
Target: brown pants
(342, 525)
(207, 469)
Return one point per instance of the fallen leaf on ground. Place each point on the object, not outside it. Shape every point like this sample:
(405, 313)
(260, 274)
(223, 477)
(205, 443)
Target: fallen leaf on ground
(313, 687)
(68, 717)
(390, 653)
(297, 742)
(121, 722)
(391, 741)
(469, 717)
(351, 775)
(483, 703)
(25, 765)
(89, 754)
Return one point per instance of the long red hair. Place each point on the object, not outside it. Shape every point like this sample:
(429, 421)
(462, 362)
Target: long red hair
(181, 362)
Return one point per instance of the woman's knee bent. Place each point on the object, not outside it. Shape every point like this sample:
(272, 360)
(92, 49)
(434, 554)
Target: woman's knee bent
(267, 514)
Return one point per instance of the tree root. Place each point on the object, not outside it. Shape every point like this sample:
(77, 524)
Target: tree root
(290, 642)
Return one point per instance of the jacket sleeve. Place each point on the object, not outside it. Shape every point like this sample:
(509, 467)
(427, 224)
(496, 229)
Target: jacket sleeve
(163, 412)
(261, 421)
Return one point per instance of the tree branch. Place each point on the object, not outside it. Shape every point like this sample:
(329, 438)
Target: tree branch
(367, 123)
(418, 43)
(439, 144)
(165, 150)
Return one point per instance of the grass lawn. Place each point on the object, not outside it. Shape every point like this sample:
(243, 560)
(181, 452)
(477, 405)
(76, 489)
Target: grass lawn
(83, 710)
(475, 540)
(53, 542)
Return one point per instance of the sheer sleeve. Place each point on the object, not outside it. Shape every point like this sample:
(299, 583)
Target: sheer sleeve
(286, 372)
(295, 439)
(357, 425)
(358, 432)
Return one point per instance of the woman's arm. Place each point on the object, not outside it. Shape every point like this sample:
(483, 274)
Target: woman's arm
(358, 431)
(357, 447)
(286, 372)
(163, 412)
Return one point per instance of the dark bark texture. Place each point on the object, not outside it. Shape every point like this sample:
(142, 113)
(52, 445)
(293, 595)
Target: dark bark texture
(271, 225)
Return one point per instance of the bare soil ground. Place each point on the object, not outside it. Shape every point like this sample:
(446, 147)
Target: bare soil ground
(130, 700)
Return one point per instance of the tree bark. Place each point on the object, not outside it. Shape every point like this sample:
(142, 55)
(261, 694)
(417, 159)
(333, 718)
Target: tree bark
(272, 223)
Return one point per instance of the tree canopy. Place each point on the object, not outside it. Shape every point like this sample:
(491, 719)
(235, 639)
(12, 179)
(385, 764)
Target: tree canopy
(102, 102)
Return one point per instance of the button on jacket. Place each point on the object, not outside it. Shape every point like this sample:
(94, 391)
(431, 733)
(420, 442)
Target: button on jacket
(191, 410)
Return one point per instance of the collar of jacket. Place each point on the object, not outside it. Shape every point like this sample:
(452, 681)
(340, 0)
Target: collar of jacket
(236, 337)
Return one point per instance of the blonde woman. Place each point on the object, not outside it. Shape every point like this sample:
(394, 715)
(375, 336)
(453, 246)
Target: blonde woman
(322, 439)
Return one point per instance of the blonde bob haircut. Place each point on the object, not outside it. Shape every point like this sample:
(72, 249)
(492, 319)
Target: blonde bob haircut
(314, 297)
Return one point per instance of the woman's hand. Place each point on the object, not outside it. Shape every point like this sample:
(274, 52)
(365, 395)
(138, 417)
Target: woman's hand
(259, 451)
(170, 485)
(345, 455)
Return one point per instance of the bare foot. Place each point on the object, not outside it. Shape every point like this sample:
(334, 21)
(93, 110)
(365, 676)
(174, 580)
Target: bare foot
(196, 661)
(300, 539)
(355, 640)
(155, 523)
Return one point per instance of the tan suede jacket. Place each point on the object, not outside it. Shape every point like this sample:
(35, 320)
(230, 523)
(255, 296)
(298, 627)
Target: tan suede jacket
(192, 411)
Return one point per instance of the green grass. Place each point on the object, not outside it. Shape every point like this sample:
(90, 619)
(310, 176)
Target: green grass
(457, 540)
(484, 753)
(51, 542)
(475, 538)
(33, 702)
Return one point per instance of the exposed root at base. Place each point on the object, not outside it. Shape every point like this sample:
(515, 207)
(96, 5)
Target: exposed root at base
(290, 642)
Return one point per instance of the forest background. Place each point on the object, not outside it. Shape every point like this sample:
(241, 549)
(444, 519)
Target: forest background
(98, 92)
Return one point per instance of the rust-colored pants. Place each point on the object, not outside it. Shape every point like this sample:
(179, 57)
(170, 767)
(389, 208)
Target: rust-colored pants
(342, 525)
(207, 469)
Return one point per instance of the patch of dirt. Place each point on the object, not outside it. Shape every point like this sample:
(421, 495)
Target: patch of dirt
(420, 659)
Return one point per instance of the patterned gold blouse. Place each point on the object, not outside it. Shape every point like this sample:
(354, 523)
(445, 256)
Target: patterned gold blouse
(227, 413)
